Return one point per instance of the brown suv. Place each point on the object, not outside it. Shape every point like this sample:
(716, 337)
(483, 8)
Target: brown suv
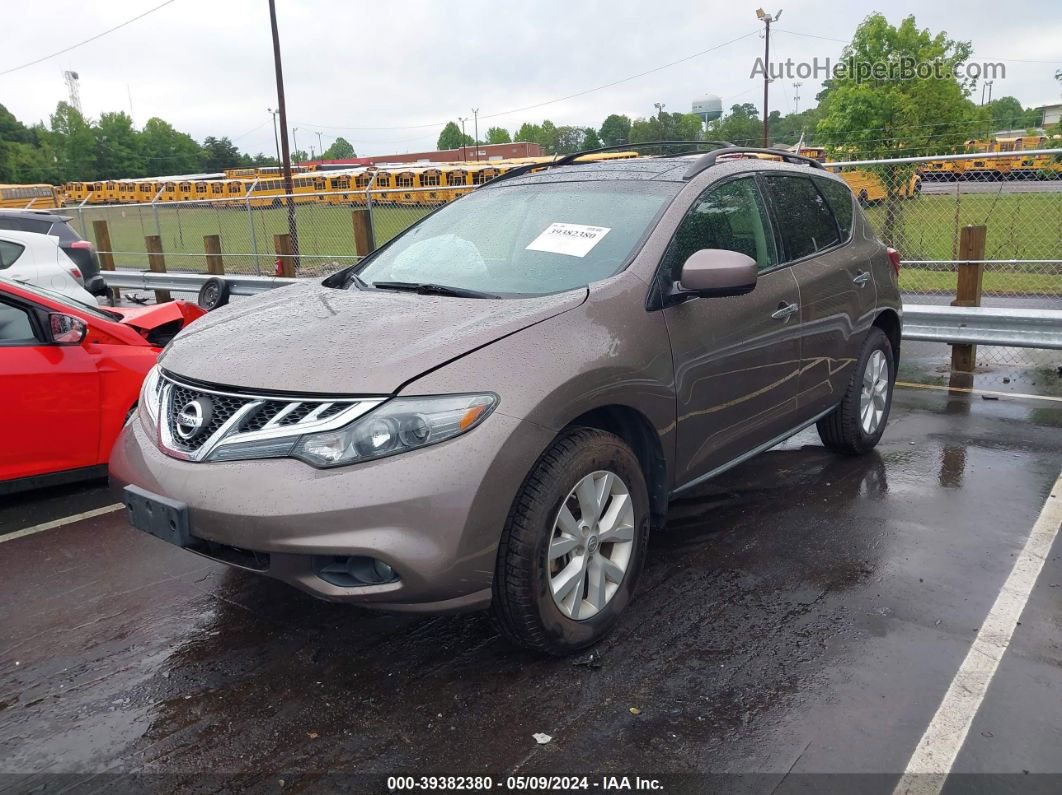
(495, 407)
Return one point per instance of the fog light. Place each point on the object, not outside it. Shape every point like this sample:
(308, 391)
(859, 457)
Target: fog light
(353, 571)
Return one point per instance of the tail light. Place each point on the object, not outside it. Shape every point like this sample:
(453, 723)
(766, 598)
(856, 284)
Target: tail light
(77, 275)
(894, 258)
(81, 244)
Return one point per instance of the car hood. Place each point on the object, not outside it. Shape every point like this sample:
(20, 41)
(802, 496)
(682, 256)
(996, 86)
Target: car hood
(151, 316)
(315, 339)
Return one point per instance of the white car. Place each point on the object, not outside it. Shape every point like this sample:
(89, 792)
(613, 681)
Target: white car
(37, 259)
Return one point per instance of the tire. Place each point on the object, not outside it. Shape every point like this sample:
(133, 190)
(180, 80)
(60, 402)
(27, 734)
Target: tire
(523, 605)
(843, 429)
(213, 293)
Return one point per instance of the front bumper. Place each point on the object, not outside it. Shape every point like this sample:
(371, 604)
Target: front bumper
(434, 515)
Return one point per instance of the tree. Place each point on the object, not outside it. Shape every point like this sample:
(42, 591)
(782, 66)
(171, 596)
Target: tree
(590, 139)
(498, 135)
(568, 140)
(1008, 114)
(890, 115)
(117, 147)
(167, 151)
(529, 133)
(340, 149)
(299, 156)
(219, 154)
(615, 130)
(74, 143)
(451, 137)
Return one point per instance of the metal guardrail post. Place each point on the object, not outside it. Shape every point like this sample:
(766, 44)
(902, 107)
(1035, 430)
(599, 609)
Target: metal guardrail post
(968, 293)
(105, 251)
(157, 263)
(215, 263)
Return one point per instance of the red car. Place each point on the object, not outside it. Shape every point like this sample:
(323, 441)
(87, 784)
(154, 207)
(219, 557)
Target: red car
(70, 373)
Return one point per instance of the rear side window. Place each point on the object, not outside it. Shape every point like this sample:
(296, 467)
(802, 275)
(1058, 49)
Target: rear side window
(840, 200)
(15, 325)
(26, 225)
(9, 252)
(804, 219)
(729, 217)
(64, 232)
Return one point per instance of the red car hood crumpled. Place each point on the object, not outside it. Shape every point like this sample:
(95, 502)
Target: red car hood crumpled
(146, 318)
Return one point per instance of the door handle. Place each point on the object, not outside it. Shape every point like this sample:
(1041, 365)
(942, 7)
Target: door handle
(785, 310)
(861, 278)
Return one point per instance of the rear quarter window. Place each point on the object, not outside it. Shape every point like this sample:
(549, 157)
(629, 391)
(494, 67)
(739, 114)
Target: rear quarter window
(9, 253)
(26, 225)
(805, 221)
(840, 200)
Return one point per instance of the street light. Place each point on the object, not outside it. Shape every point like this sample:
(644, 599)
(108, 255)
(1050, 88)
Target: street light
(464, 156)
(659, 108)
(766, 19)
(295, 142)
(475, 113)
(276, 135)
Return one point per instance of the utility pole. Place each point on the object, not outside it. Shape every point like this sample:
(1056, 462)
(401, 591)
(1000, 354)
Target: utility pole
(796, 97)
(320, 146)
(285, 164)
(475, 114)
(464, 156)
(989, 90)
(312, 155)
(766, 19)
(295, 142)
(276, 135)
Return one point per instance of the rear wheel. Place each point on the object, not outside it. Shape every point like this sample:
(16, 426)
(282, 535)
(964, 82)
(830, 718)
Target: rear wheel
(573, 545)
(858, 422)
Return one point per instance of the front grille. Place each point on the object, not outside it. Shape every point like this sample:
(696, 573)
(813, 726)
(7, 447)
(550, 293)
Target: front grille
(194, 421)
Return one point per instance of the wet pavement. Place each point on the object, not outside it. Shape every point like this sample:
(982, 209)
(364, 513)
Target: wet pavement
(803, 614)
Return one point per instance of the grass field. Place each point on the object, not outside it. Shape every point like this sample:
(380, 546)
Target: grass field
(1020, 226)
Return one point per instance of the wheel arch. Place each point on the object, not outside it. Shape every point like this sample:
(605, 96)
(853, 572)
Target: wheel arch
(889, 322)
(637, 431)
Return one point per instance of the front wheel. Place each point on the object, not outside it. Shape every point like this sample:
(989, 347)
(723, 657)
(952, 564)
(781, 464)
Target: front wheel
(858, 422)
(573, 544)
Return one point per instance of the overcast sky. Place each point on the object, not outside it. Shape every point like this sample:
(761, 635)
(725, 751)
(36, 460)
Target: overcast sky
(206, 65)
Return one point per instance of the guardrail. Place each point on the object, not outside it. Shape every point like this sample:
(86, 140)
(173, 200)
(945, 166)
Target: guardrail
(956, 325)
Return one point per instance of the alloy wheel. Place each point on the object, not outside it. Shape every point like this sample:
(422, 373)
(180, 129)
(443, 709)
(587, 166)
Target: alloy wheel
(875, 392)
(591, 545)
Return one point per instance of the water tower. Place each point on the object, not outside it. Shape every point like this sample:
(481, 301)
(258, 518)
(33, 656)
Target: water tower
(709, 108)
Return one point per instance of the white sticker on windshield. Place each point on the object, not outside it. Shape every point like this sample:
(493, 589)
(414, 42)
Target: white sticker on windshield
(575, 240)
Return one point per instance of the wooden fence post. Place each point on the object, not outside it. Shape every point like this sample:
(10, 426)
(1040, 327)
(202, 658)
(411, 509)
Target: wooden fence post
(212, 246)
(364, 241)
(282, 244)
(106, 254)
(968, 291)
(156, 264)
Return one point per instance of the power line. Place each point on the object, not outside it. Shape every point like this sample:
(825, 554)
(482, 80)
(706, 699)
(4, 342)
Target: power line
(552, 101)
(86, 41)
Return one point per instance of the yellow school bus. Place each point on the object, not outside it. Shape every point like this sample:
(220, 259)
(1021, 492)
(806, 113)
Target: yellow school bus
(38, 196)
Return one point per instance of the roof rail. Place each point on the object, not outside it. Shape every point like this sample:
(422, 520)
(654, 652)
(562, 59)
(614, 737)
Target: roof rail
(568, 159)
(708, 160)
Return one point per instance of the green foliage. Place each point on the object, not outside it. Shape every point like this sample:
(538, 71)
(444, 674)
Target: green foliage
(590, 139)
(221, 153)
(498, 135)
(118, 152)
(341, 149)
(889, 116)
(666, 127)
(615, 130)
(451, 138)
(74, 143)
(529, 133)
(167, 151)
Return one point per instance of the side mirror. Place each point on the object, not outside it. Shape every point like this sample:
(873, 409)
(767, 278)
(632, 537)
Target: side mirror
(718, 272)
(66, 329)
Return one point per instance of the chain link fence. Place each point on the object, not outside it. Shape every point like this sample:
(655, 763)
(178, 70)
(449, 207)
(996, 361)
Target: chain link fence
(919, 206)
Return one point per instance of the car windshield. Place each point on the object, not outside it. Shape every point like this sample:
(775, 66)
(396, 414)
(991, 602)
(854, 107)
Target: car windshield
(63, 298)
(528, 239)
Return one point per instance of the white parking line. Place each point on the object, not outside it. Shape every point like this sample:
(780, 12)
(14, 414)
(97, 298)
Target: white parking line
(936, 752)
(77, 517)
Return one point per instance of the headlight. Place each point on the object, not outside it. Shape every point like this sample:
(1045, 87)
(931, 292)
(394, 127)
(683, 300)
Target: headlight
(150, 392)
(398, 426)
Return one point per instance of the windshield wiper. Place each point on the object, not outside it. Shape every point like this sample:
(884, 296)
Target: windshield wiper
(432, 289)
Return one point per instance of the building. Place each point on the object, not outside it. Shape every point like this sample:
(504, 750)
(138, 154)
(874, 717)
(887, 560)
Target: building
(485, 152)
(1052, 113)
